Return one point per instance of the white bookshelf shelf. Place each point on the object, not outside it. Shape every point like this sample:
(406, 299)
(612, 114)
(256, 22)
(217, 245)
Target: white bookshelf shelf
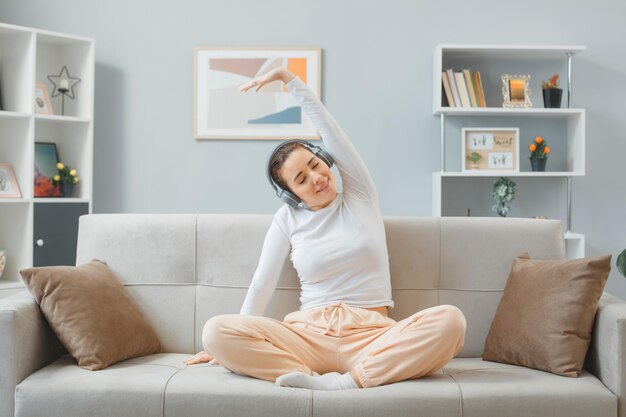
(509, 174)
(13, 115)
(500, 111)
(62, 119)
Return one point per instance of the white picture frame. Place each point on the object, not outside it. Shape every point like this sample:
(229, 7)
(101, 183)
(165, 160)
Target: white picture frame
(498, 148)
(221, 111)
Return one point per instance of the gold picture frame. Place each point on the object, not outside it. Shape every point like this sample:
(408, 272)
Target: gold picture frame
(493, 149)
(516, 91)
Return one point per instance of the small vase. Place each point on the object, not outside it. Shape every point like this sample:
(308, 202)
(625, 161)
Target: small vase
(552, 98)
(538, 164)
(66, 189)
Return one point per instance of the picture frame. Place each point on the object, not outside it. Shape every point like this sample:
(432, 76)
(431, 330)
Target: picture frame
(42, 100)
(9, 187)
(46, 159)
(221, 111)
(516, 91)
(497, 149)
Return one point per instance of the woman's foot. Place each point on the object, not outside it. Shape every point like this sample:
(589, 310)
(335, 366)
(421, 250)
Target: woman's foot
(329, 381)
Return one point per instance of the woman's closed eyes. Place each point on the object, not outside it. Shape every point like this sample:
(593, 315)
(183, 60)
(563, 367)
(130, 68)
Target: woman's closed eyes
(304, 179)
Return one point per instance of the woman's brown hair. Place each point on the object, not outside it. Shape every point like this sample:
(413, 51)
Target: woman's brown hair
(278, 160)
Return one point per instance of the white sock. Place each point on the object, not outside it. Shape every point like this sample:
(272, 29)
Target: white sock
(329, 381)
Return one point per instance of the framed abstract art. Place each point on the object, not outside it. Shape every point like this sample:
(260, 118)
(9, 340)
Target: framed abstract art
(221, 111)
(46, 159)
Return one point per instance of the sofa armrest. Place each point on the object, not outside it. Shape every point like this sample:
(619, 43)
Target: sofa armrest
(606, 358)
(27, 344)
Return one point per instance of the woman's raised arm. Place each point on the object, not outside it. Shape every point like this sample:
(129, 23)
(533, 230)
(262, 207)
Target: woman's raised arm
(355, 177)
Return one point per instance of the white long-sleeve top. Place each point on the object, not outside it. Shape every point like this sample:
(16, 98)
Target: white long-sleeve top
(339, 251)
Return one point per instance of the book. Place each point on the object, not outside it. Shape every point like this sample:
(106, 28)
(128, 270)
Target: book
(478, 86)
(453, 87)
(460, 83)
(470, 87)
(448, 91)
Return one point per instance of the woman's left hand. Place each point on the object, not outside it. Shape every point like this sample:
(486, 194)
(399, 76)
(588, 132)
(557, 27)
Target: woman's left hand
(282, 74)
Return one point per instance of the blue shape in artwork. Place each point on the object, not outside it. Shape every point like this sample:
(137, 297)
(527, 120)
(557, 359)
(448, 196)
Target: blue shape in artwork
(292, 115)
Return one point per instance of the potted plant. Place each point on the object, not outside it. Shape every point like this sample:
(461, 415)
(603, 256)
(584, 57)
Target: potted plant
(67, 178)
(539, 151)
(503, 193)
(551, 92)
(621, 263)
(474, 158)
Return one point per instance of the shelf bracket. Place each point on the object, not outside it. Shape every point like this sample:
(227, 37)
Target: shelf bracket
(569, 204)
(569, 80)
(443, 141)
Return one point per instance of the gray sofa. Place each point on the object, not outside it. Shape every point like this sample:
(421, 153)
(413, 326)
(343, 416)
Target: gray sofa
(184, 268)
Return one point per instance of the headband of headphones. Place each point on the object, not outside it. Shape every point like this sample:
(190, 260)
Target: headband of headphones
(286, 196)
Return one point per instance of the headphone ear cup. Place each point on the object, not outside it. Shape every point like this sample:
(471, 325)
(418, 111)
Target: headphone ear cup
(326, 157)
(290, 199)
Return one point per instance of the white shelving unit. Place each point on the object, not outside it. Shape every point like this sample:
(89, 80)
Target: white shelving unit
(27, 56)
(565, 127)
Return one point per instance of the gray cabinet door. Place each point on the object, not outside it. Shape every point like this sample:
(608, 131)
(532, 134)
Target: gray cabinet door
(55, 231)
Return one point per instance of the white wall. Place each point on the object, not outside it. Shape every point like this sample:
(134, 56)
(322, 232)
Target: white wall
(376, 80)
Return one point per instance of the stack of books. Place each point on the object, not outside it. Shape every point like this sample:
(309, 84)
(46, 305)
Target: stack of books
(462, 89)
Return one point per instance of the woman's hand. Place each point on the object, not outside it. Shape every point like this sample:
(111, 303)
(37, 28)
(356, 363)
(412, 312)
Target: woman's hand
(282, 74)
(201, 357)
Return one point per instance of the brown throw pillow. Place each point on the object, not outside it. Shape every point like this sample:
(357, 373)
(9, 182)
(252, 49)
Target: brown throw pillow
(91, 313)
(546, 314)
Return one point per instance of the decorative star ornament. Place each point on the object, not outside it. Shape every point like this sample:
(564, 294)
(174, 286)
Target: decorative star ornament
(71, 82)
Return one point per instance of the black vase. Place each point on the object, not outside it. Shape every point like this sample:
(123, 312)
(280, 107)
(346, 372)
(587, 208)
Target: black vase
(538, 164)
(66, 189)
(552, 98)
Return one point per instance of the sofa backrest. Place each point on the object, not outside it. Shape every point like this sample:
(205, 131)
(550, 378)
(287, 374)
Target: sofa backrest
(183, 269)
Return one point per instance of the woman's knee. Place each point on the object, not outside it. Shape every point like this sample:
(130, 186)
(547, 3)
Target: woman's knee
(214, 329)
(453, 320)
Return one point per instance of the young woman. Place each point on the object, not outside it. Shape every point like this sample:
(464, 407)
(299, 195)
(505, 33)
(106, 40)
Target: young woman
(341, 337)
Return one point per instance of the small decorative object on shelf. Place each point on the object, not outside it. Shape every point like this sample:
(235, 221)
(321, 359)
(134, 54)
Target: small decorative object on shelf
(8, 183)
(66, 179)
(621, 263)
(539, 151)
(3, 261)
(551, 92)
(64, 85)
(42, 100)
(516, 91)
(503, 193)
(474, 158)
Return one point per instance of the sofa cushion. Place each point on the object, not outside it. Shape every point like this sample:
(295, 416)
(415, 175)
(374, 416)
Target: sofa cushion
(496, 389)
(545, 317)
(161, 385)
(91, 313)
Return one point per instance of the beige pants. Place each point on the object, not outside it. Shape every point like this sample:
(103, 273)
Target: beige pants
(338, 338)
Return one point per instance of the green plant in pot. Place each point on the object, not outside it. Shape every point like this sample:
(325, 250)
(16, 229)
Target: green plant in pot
(503, 193)
(551, 92)
(539, 151)
(474, 158)
(621, 263)
(66, 178)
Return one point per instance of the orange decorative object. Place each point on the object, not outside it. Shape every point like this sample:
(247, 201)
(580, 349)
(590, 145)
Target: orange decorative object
(546, 149)
(539, 139)
(532, 147)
